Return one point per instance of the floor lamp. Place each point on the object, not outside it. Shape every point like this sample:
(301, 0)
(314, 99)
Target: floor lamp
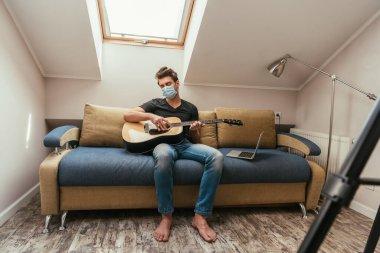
(340, 188)
(277, 67)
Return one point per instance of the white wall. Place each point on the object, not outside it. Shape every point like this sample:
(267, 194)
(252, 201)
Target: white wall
(22, 126)
(208, 97)
(359, 64)
(128, 81)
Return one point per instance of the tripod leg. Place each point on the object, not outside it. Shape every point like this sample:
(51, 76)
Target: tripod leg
(373, 237)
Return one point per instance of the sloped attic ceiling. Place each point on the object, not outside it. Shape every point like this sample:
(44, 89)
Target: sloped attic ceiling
(63, 36)
(238, 39)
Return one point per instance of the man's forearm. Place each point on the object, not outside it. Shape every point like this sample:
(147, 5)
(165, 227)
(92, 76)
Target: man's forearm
(134, 116)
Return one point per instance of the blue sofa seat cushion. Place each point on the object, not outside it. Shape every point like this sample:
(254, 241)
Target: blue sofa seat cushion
(104, 166)
(268, 166)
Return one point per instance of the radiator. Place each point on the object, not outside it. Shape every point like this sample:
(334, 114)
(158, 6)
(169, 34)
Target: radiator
(340, 146)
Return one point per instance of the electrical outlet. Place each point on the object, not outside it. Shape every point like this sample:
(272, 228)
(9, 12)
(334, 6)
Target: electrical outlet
(277, 115)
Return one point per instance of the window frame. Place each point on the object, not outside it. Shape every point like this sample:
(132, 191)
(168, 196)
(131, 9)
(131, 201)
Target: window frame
(147, 42)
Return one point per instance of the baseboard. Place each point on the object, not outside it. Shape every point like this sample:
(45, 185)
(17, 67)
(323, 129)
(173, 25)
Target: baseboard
(20, 202)
(365, 210)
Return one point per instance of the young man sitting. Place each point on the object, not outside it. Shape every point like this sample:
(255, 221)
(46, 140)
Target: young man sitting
(157, 110)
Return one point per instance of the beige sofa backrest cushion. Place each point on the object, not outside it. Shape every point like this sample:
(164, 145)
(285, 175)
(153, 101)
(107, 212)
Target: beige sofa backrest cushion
(254, 121)
(102, 126)
(208, 132)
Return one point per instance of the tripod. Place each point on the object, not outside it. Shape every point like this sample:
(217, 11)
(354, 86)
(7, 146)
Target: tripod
(340, 188)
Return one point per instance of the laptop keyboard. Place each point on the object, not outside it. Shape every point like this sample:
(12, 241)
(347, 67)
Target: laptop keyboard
(246, 154)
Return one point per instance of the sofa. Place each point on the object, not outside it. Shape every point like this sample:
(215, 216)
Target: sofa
(90, 168)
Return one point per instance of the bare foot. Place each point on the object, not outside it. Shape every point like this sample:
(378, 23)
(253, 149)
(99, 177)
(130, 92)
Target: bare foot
(162, 232)
(207, 233)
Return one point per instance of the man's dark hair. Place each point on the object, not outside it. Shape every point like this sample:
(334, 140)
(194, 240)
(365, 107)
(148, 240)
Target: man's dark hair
(164, 72)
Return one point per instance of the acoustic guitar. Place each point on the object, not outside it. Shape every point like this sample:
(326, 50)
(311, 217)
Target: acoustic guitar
(142, 137)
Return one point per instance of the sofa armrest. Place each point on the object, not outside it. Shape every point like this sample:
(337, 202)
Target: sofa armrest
(297, 142)
(59, 136)
(49, 188)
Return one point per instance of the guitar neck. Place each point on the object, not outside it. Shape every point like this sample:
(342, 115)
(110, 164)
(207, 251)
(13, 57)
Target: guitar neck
(188, 123)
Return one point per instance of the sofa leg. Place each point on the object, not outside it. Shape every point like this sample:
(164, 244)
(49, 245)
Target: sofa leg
(47, 222)
(63, 220)
(303, 210)
(316, 211)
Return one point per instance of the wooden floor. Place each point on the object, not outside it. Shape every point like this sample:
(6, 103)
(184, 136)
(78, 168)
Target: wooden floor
(255, 229)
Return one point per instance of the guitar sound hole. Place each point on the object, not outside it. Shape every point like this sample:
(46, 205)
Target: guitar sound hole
(156, 131)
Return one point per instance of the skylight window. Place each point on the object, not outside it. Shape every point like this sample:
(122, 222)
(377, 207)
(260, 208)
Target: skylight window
(146, 21)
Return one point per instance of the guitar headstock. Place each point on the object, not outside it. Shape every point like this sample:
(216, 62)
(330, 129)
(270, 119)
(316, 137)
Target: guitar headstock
(233, 122)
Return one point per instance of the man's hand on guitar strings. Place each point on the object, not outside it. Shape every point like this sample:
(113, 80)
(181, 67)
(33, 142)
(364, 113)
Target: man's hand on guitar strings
(160, 122)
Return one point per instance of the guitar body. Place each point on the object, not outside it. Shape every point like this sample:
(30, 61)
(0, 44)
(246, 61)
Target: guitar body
(138, 140)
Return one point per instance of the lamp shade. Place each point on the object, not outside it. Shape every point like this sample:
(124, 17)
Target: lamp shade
(277, 67)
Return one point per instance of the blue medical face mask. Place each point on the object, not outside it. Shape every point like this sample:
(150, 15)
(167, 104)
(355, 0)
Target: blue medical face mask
(169, 92)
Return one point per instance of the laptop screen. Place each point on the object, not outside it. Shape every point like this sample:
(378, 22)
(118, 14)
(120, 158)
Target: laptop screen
(245, 154)
(258, 141)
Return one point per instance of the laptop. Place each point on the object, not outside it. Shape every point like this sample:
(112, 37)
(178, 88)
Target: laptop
(245, 154)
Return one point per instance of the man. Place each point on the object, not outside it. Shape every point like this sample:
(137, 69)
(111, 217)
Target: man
(165, 155)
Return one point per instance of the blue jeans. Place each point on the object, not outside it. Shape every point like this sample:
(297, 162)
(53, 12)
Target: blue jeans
(165, 156)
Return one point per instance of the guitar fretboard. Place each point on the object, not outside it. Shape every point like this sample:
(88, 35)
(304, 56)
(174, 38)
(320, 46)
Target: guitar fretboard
(188, 123)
